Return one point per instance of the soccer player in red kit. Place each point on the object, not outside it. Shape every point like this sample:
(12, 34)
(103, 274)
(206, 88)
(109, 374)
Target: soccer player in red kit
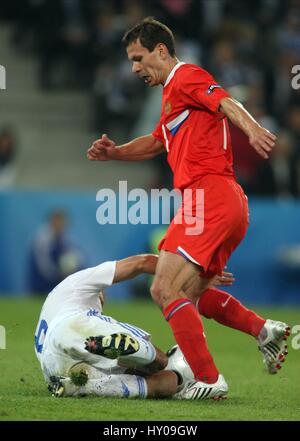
(193, 129)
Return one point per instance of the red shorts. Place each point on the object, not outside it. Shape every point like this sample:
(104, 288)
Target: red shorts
(206, 230)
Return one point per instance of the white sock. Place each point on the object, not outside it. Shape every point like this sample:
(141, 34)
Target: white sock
(145, 355)
(123, 386)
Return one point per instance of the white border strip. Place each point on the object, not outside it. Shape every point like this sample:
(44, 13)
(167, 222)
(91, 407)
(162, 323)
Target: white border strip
(165, 136)
(180, 118)
(224, 134)
(189, 257)
(172, 73)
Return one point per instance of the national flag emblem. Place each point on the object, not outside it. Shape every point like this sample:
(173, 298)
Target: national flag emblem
(168, 107)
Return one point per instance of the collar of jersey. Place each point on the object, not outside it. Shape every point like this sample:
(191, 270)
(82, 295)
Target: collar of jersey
(172, 73)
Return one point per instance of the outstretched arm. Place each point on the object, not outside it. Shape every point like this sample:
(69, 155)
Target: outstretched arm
(259, 138)
(139, 149)
(133, 266)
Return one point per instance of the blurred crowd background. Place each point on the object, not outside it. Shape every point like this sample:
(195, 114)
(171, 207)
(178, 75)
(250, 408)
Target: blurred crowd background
(68, 81)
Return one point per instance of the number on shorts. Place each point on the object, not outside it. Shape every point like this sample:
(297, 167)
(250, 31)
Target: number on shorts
(41, 336)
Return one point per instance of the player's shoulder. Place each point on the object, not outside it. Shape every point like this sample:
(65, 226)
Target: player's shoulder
(101, 267)
(188, 70)
(102, 273)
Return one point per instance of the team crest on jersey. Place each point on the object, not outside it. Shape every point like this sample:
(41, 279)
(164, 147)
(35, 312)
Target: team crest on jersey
(212, 87)
(168, 108)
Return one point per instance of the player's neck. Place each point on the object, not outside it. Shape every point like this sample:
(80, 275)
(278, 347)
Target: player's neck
(170, 66)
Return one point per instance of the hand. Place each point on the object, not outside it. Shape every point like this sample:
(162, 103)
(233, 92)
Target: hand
(262, 141)
(150, 263)
(101, 149)
(225, 279)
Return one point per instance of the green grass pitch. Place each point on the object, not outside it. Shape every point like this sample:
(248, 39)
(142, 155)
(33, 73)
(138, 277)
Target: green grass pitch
(253, 394)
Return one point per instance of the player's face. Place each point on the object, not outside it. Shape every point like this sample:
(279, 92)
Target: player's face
(148, 66)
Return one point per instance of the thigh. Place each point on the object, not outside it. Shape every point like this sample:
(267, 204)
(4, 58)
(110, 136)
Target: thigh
(173, 272)
(196, 287)
(68, 339)
(234, 237)
(61, 350)
(66, 342)
(224, 207)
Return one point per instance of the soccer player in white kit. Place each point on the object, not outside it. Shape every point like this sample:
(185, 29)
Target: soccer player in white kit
(73, 336)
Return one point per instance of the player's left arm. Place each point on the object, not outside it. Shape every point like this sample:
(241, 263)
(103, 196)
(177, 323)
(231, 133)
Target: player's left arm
(260, 138)
(134, 265)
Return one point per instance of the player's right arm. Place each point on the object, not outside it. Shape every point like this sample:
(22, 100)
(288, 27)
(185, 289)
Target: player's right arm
(139, 149)
(134, 265)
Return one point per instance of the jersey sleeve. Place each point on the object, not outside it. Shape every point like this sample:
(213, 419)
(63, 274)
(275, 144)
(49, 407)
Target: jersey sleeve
(96, 278)
(200, 89)
(157, 133)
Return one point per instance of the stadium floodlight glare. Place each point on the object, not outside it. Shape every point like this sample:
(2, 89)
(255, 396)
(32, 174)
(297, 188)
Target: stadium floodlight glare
(2, 77)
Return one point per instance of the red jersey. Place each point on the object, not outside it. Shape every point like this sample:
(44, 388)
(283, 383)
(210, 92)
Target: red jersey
(193, 131)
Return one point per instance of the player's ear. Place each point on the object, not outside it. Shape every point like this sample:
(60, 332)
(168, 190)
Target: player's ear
(162, 50)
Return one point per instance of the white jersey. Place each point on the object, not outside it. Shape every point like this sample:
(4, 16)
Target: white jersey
(76, 294)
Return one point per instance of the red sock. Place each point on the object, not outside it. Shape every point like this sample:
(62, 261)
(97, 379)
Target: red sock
(228, 311)
(187, 328)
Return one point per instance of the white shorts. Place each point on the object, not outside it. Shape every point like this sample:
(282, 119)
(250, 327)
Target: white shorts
(64, 343)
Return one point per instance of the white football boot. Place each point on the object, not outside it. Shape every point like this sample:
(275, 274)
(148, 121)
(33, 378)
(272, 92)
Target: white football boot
(272, 344)
(197, 390)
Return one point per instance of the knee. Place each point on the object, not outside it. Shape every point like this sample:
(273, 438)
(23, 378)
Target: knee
(159, 291)
(163, 291)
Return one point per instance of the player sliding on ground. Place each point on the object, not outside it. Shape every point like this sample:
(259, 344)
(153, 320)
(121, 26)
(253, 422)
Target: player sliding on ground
(82, 351)
(193, 130)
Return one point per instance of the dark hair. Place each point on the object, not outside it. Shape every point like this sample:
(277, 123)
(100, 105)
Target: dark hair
(150, 32)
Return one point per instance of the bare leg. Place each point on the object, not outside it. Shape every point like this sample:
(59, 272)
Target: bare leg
(160, 362)
(173, 275)
(162, 384)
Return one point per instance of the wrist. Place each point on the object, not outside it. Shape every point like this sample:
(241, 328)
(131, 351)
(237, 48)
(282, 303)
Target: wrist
(252, 126)
(113, 153)
(150, 263)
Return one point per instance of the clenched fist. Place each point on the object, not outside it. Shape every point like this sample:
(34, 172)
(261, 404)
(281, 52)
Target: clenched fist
(102, 149)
